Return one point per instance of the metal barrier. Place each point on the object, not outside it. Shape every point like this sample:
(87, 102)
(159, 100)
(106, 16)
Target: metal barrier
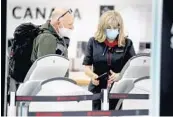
(104, 96)
(80, 97)
(92, 113)
(57, 98)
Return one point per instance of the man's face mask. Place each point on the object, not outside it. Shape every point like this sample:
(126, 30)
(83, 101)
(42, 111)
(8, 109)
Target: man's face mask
(65, 32)
(111, 34)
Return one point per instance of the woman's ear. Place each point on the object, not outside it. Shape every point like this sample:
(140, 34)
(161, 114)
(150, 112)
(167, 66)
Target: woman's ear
(119, 27)
(104, 30)
(119, 30)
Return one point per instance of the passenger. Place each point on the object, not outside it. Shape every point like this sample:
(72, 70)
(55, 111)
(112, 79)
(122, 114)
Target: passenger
(108, 51)
(55, 39)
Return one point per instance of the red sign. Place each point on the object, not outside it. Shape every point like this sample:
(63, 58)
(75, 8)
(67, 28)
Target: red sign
(99, 113)
(119, 96)
(20, 98)
(67, 98)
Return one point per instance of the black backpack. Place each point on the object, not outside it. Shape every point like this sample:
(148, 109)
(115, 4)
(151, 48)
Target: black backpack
(21, 49)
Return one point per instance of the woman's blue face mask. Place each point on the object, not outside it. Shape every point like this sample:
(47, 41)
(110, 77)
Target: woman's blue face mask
(111, 34)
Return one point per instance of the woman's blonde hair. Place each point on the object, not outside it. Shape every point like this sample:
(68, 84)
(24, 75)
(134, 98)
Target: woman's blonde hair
(110, 19)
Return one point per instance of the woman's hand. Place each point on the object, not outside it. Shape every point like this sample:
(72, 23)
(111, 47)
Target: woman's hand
(94, 80)
(93, 76)
(113, 77)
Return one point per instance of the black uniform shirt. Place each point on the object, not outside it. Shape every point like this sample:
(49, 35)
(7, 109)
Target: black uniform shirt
(105, 59)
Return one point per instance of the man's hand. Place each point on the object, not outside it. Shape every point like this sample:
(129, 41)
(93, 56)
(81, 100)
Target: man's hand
(94, 80)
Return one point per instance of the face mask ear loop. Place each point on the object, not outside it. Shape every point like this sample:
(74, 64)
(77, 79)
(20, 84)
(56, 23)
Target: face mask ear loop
(59, 29)
(63, 40)
(62, 25)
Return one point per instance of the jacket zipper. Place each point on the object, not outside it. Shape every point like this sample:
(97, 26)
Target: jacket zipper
(109, 58)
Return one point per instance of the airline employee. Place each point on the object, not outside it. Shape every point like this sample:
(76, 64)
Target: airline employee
(108, 51)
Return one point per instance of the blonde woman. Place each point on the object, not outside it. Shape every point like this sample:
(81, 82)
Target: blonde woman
(107, 52)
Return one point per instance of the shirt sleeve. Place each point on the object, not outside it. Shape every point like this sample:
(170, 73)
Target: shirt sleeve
(88, 59)
(47, 45)
(130, 52)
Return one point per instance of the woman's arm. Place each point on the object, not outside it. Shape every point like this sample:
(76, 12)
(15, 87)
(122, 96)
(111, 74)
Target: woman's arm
(88, 61)
(88, 71)
(91, 74)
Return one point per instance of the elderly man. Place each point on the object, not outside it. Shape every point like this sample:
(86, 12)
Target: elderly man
(55, 36)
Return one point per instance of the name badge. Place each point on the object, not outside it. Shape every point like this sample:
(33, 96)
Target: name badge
(119, 50)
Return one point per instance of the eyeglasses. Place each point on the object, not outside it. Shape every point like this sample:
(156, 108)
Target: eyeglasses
(69, 11)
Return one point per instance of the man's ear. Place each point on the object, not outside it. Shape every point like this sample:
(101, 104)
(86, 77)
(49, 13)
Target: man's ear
(58, 22)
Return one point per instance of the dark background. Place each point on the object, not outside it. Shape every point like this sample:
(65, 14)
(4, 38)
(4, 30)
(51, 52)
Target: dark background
(166, 101)
(3, 50)
(105, 8)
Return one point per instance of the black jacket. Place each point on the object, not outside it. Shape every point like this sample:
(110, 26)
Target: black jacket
(105, 59)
